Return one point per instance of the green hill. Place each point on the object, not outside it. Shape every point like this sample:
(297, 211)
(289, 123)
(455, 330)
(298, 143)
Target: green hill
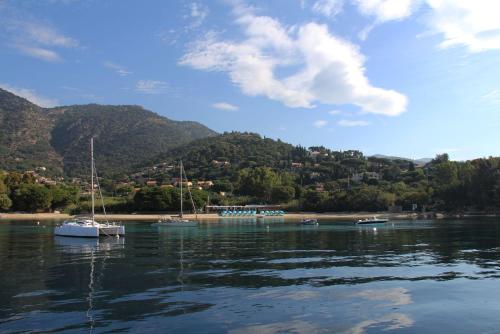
(224, 154)
(58, 138)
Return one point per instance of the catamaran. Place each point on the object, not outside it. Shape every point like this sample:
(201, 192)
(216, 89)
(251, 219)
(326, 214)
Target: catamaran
(88, 226)
(179, 221)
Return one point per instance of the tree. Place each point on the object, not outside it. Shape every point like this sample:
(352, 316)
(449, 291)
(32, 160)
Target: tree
(282, 194)
(157, 199)
(3, 187)
(258, 182)
(63, 195)
(5, 202)
(32, 198)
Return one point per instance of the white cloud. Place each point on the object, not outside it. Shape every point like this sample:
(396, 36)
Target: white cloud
(335, 112)
(120, 70)
(45, 35)
(37, 39)
(349, 123)
(320, 123)
(225, 106)
(151, 86)
(40, 53)
(492, 97)
(329, 8)
(31, 95)
(387, 10)
(328, 69)
(473, 24)
(198, 12)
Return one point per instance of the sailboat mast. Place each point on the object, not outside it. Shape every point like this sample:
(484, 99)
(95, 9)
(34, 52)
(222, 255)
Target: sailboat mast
(92, 176)
(181, 187)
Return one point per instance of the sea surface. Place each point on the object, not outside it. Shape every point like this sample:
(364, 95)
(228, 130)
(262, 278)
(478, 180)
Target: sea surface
(247, 277)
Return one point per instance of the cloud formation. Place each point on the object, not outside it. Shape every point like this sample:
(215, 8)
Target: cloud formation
(38, 40)
(328, 8)
(198, 13)
(349, 123)
(325, 68)
(31, 95)
(151, 86)
(472, 24)
(387, 10)
(225, 106)
(120, 70)
(320, 123)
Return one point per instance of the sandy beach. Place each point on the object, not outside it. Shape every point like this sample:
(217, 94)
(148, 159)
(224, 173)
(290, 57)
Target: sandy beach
(211, 216)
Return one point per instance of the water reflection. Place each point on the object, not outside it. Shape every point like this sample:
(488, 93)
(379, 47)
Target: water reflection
(244, 277)
(392, 321)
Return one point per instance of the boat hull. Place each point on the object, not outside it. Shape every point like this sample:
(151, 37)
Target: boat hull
(67, 230)
(367, 222)
(176, 224)
(88, 230)
(112, 230)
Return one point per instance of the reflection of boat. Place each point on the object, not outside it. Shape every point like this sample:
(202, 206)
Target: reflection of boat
(88, 226)
(98, 249)
(88, 245)
(309, 221)
(179, 221)
(373, 220)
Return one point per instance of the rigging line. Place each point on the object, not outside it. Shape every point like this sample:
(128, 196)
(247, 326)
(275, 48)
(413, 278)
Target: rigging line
(100, 194)
(189, 191)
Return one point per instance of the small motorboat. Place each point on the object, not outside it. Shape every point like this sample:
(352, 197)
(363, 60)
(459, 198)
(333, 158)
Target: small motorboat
(373, 220)
(309, 221)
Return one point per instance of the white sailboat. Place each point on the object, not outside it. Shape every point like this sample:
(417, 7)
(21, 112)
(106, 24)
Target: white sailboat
(179, 221)
(88, 226)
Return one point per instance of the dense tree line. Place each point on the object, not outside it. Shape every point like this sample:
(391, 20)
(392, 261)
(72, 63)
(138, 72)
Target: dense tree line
(321, 183)
(21, 193)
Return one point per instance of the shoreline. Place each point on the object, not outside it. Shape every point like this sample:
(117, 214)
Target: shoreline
(215, 217)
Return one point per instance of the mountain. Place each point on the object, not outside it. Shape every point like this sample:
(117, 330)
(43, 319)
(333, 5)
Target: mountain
(25, 135)
(58, 138)
(421, 161)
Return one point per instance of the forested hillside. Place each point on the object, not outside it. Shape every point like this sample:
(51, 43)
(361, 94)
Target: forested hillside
(58, 138)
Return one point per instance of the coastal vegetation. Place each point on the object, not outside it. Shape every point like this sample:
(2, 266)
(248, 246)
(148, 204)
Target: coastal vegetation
(44, 155)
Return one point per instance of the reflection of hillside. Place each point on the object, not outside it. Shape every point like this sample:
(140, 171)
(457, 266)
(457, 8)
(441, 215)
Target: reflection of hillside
(377, 277)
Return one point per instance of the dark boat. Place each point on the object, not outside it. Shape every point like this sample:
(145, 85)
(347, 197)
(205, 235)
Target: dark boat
(310, 221)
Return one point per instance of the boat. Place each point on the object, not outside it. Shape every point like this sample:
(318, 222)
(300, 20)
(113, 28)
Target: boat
(373, 220)
(88, 227)
(309, 221)
(178, 221)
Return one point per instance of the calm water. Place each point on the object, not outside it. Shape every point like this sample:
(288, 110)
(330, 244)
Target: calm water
(421, 276)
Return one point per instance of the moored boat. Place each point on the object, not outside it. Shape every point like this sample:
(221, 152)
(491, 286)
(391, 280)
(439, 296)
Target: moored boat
(88, 227)
(309, 221)
(178, 221)
(373, 220)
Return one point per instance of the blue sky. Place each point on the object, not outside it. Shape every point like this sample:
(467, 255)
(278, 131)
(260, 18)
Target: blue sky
(401, 77)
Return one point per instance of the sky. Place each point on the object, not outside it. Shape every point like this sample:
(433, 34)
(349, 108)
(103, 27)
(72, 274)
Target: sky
(410, 78)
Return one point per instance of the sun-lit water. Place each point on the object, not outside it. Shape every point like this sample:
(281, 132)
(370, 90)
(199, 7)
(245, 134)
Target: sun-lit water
(244, 277)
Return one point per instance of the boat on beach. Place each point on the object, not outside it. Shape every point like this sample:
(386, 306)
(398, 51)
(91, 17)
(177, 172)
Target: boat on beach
(178, 221)
(373, 220)
(88, 227)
